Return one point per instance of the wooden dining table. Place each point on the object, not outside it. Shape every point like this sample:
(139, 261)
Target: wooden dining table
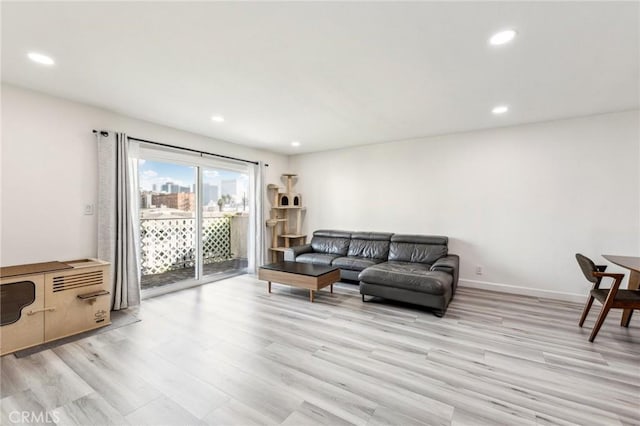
(631, 263)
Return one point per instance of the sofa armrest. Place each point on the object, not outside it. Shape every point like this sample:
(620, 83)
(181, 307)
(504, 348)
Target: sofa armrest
(291, 253)
(449, 264)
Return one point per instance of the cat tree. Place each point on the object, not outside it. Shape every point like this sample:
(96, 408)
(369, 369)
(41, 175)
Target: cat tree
(285, 218)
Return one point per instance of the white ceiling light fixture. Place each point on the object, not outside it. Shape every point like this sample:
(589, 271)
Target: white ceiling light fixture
(502, 37)
(295, 143)
(41, 59)
(217, 118)
(500, 109)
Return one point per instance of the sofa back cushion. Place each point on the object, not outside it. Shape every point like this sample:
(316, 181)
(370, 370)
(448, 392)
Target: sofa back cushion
(372, 245)
(417, 248)
(331, 242)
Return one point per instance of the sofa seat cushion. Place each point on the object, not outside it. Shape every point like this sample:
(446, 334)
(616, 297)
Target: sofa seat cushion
(316, 258)
(408, 276)
(355, 263)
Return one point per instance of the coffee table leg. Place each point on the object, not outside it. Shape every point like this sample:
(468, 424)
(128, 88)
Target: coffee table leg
(331, 287)
(311, 295)
(269, 286)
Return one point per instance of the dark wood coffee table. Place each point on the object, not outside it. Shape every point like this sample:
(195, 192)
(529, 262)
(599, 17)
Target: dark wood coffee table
(302, 275)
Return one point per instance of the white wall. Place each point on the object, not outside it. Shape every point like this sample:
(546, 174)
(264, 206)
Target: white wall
(49, 172)
(518, 201)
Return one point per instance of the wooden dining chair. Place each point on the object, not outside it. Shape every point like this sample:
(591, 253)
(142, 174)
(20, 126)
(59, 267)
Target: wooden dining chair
(610, 298)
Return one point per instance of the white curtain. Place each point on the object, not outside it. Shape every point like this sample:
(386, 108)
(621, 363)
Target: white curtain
(257, 243)
(118, 216)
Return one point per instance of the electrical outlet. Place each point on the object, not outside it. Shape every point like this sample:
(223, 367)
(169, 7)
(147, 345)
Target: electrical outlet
(478, 270)
(88, 209)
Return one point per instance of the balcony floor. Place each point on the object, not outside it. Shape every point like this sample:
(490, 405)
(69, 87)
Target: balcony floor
(170, 277)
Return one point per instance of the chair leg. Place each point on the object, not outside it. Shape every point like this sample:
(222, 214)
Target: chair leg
(586, 309)
(626, 324)
(600, 321)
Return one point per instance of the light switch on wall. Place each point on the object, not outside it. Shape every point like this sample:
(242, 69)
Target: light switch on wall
(88, 209)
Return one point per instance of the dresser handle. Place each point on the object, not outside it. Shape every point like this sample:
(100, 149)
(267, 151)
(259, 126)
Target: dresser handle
(51, 309)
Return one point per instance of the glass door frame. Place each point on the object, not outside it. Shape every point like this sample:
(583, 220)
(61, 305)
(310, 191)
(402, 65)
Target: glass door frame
(199, 163)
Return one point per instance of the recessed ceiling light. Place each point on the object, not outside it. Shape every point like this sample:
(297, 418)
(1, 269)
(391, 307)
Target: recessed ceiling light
(500, 109)
(218, 118)
(40, 58)
(295, 143)
(502, 37)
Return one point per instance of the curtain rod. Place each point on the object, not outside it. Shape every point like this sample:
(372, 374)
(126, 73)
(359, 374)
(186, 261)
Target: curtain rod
(105, 133)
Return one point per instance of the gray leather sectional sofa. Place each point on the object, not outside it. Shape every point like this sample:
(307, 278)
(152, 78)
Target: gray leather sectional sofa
(409, 268)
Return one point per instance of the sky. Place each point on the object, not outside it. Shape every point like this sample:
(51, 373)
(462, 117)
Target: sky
(159, 173)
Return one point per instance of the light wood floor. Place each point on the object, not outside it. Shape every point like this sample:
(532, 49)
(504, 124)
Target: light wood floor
(230, 353)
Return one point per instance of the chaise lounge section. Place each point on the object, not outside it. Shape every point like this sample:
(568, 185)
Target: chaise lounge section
(419, 270)
(409, 268)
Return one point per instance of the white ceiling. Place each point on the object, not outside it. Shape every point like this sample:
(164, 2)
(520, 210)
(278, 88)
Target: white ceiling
(330, 75)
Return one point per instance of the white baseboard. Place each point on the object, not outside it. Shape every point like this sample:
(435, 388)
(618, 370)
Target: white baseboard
(523, 291)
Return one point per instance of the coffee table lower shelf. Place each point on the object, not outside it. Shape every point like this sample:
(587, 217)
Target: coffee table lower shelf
(312, 277)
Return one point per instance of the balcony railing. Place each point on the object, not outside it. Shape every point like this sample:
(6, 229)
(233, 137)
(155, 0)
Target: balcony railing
(169, 244)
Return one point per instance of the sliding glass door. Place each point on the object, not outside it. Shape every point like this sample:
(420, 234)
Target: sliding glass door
(225, 220)
(194, 219)
(167, 222)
